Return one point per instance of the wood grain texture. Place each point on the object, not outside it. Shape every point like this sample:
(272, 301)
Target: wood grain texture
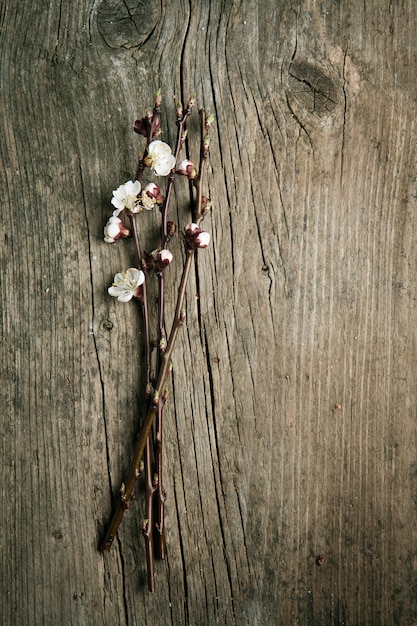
(290, 432)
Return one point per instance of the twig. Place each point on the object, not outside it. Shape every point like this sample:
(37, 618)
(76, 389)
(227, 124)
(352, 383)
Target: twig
(148, 523)
(160, 494)
(147, 528)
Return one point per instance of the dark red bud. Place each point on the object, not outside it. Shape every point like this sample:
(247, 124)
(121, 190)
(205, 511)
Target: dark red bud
(141, 127)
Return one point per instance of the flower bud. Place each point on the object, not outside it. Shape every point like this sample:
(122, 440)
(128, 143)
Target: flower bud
(171, 229)
(141, 127)
(157, 260)
(115, 229)
(154, 192)
(202, 240)
(192, 229)
(164, 258)
(195, 237)
(187, 168)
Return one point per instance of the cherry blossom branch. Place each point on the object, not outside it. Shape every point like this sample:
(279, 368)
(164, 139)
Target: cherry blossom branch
(194, 240)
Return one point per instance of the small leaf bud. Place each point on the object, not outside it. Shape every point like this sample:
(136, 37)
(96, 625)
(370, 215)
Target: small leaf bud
(171, 229)
(162, 344)
(206, 205)
(158, 99)
(178, 107)
(209, 120)
(191, 102)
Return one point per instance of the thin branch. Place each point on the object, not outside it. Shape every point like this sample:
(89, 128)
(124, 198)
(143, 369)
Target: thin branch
(134, 470)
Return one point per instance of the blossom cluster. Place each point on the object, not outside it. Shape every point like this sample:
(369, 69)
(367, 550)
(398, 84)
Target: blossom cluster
(130, 198)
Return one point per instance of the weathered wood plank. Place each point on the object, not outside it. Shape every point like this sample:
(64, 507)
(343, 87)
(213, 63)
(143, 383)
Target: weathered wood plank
(291, 425)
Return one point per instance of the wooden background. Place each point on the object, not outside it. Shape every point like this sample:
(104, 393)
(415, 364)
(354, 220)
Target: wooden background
(292, 429)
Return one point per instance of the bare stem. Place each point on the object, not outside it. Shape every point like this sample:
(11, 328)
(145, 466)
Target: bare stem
(160, 494)
(147, 528)
(144, 297)
(148, 525)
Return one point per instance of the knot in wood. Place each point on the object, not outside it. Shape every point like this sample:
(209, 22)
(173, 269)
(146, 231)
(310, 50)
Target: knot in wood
(315, 92)
(127, 24)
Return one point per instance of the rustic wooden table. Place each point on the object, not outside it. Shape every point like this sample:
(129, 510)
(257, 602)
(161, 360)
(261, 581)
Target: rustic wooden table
(291, 430)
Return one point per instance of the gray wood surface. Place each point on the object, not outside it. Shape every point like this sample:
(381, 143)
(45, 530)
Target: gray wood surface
(290, 432)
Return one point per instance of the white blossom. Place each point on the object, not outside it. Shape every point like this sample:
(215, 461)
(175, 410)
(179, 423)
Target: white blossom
(125, 197)
(159, 158)
(126, 284)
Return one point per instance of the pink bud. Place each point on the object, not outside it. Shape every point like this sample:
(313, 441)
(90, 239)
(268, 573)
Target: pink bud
(115, 229)
(186, 168)
(192, 229)
(202, 240)
(164, 258)
(153, 191)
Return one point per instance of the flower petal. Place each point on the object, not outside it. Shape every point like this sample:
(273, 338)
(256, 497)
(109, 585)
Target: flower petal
(136, 276)
(126, 296)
